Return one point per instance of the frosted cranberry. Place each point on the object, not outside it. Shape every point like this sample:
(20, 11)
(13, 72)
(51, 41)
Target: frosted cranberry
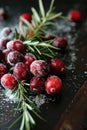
(8, 81)
(25, 16)
(15, 45)
(74, 15)
(57, 66)
(28, 59)
(39, 68)
(3, 42)
(5, 53)
(6, 31)
(3, 13)
(14, 56)
(37, 84)
(3, 69)
(60, 42)
(53, 85)
(20, 71)
(1, 56)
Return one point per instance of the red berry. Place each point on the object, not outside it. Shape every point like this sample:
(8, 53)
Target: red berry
(15, 45)
(74, 15)
(3, 14)
(5, 53)
(53, 85)
(25, 16)
(3, 42)
(3, 69)
(29, 58)
(60, 42)
(14, 56)
(6, 31)
(57, 66)
(39, 68)
(49, 37)
(8, 81)
(20, 71)
(37, 84)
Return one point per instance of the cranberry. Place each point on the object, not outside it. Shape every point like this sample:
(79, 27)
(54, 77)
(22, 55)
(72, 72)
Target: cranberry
(29, 58)
(3, 69)
(39, 68)
(14, 56)
(15, 45)
(60, 42)
(3, 42)
(74, 15)
(49, 37)
(3, 13)
(57, 66)
(25, 16)
(8, 81)
(37, 84)
(53, 85)
(6, 31)
(5, 53)
(20, 71)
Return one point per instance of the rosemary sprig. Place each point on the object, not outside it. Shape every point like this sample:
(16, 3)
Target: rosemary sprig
(25, 107)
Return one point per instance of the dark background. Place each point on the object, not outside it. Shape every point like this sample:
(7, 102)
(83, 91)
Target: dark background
(75, 77)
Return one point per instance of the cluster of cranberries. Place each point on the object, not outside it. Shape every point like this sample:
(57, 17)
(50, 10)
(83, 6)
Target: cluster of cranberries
(17, 65)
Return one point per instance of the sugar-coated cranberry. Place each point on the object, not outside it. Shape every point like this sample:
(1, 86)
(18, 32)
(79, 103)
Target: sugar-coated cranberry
(3, 42)
(14, 56)
(53, 85)
(26, 16)
(60, 42)
(28, 59)
(8, 81)
(6, 31)
(74, 15)
(37, 84)
(3, 13)
(39, 68)
(3, 69)
(57, 66)
(15, 45)
(20, 71)
(5, 53)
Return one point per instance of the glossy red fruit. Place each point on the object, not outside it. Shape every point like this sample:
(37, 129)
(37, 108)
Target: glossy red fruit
(28, 59)
(53, 85)
(60, 42)
(3, 69)
(6, 31)
(20, 71)
(37, 84)
(74, 15)
(3, 42)
(14, 56)
(8, 81)
(3, 14)
(15, 45)
(39, 68)
(57, 66)
(25, 16)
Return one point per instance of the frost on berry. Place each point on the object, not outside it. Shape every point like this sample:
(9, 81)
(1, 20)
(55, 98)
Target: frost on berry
(20, 71)
(8, 81)
(3, 69)
(14, 56)
(37, 84)
(28, 59)
(5, 32)
(15, 45)
(39, 68)
(5, 53)
(53, 85)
